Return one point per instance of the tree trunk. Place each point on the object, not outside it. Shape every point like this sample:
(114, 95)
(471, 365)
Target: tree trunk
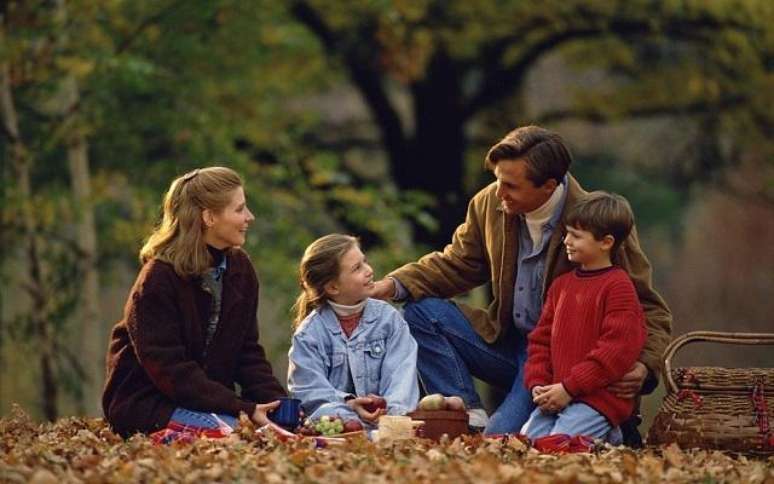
(92, 332)
(39, 321)
(436, 152)
(93, 338)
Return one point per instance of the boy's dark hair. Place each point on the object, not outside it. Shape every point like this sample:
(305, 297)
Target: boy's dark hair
(603, 213)
(542, 150)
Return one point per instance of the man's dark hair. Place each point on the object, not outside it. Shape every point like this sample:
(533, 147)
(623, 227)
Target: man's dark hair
(603, 213)
(543, 151)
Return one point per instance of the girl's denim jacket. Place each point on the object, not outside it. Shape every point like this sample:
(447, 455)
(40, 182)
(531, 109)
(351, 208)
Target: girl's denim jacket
(380, 353)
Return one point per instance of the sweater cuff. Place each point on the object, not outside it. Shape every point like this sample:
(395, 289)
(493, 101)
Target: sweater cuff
(571, 393)
(571, 386)
(344, 396)
(246, 407)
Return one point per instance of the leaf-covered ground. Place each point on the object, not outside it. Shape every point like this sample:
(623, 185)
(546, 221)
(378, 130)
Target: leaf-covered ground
(85, 450)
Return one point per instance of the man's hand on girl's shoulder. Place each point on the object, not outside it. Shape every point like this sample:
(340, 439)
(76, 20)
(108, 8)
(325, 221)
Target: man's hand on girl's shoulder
(384, 289)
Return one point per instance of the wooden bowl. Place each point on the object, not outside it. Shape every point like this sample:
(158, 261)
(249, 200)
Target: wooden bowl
(438, 422)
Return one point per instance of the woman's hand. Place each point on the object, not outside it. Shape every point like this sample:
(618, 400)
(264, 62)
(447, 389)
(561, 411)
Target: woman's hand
(357, 403)
(261, 413)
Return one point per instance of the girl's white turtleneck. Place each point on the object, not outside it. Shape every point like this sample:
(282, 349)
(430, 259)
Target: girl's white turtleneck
(344, 310)
(537, 218)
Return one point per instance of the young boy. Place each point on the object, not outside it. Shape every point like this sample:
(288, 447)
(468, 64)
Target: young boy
(591, 330)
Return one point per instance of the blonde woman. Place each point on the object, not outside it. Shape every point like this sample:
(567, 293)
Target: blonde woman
(189, 331)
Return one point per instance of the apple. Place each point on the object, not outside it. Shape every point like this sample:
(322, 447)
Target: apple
(353, 426)
(309, 431)
(436, 401)
(455, 403)
(377, 402)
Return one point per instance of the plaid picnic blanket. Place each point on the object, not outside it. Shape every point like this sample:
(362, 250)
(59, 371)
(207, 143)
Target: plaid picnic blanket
(186, 433)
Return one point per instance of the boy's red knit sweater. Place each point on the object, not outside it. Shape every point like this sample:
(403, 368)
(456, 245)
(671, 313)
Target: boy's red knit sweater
(590, 333)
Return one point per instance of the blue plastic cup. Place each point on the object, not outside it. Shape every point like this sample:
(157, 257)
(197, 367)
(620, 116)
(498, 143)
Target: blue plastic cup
(286, 415)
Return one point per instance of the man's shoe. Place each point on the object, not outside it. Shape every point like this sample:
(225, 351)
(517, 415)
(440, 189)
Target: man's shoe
(477, 419)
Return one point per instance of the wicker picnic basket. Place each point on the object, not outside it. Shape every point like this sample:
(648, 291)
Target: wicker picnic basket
(717, 408)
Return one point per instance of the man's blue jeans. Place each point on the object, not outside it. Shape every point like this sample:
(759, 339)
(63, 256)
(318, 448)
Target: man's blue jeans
(451, 352)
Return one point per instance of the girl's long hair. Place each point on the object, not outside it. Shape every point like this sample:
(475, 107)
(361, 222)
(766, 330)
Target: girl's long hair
(319, 266)
(179, 237)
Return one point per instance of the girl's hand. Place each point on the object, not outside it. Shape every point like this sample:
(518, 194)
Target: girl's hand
(261, 412)
(357, 403)
(553, 399)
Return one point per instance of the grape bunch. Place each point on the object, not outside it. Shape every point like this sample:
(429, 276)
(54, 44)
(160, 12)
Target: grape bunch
(329, 425)
(307, 428)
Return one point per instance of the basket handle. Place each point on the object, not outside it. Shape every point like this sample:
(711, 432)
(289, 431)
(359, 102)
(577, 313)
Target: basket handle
(711, 336)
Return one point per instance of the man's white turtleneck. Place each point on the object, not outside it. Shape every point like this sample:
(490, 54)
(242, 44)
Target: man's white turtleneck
(537, 218)
(344, 310)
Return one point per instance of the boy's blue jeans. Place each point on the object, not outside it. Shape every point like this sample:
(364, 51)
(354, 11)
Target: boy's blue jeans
(451, 352)
(574, 419)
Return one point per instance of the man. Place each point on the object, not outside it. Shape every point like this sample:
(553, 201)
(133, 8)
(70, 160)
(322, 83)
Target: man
(511, 238)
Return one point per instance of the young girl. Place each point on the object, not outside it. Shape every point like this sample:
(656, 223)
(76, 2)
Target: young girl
(348, 348)
(189, 330)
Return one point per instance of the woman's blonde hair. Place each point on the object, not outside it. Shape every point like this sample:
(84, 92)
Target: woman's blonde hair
(179, 238)
(320, 265)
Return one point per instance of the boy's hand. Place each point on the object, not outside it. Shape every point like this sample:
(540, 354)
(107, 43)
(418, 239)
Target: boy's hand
(630, 384)
(553, 398)
(538, 390)
(357, 403)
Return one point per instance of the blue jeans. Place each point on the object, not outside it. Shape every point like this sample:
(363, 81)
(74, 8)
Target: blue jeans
(202, 419)
(451, 353)
(574, 419)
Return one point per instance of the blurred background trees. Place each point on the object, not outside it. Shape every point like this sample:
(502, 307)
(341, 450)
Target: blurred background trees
(370, 117)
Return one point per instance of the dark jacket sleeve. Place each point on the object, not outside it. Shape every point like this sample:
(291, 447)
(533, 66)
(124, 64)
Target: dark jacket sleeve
(658, 317)
(154, 324)
(460, 267)
(255, 374)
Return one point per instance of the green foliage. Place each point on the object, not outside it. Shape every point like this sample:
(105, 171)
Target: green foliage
(48, 328)
(655, 203)
(167, 86)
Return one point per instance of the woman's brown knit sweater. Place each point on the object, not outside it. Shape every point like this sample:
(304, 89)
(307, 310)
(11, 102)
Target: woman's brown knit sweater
(155, 360)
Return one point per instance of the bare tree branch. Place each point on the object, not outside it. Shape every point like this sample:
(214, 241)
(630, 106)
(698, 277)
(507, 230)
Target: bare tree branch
(499, 81)
(598, 116)
(147, 22)
(7, 111)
